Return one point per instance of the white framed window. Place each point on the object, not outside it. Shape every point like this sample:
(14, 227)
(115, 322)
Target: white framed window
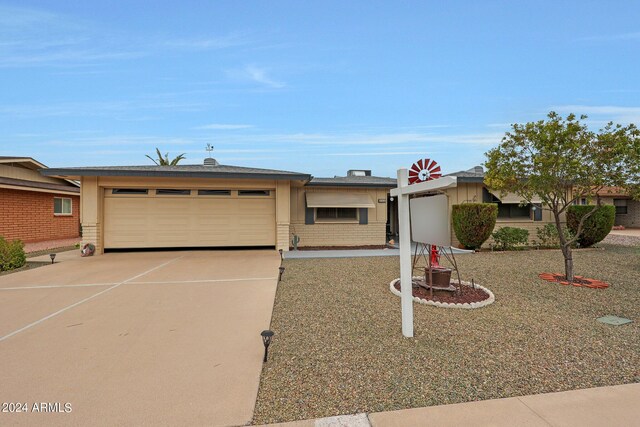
(139, 191)
(621, 206)
(260, 193)
(214, 192)
(172, 192)
(62, 206)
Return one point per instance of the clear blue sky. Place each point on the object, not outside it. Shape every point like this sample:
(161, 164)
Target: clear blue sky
(310, 86)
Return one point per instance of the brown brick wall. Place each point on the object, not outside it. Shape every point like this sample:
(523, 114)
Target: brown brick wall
(28, 216)
(332, 234)
(632, 218)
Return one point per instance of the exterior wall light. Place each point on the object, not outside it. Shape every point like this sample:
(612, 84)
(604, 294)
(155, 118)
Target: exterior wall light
(266, 340)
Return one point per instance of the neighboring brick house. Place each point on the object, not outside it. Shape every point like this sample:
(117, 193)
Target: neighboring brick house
(34, 207)
(627, 209)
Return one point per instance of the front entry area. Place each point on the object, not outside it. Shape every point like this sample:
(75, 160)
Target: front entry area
(174, 218)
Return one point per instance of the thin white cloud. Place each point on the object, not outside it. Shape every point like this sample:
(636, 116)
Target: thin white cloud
(257, 75)
(118, 140)
(211, 43)
(634, 35)
(390, 138)
(599, 114)
(33, 37)
(223, 126)
(378, 153)
(106, 108)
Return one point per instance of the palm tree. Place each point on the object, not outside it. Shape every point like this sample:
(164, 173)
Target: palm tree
(164, 161)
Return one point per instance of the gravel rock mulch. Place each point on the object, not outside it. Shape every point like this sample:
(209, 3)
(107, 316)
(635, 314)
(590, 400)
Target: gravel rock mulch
(338, 347)
(614, 239)
(50, 251)
(29, 265)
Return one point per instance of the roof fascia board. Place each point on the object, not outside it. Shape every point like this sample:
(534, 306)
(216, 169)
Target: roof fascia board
(344, 184)
(39, 190)
(62, 173)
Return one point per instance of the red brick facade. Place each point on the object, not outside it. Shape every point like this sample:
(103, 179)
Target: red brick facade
(28, 216)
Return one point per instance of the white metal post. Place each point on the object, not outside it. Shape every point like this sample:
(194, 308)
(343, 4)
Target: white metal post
(405, 254)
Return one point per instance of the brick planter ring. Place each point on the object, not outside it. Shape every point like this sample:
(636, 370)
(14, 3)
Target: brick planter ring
(479, 304)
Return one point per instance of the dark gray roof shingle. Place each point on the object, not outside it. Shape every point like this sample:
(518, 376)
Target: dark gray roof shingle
(197, 171)
(354, 181)
(475, 174)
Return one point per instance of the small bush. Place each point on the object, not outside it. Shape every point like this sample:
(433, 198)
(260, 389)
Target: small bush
(11, 254)
(548, 236)
(596, 227)
(474, 222)
(508, 238)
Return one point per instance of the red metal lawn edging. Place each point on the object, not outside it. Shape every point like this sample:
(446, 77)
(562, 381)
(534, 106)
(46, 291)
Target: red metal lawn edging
(578, 281)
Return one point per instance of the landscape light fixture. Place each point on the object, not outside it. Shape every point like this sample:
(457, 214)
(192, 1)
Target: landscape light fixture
(281, 254)
(281, 273)
(53, 257)
(266, 340)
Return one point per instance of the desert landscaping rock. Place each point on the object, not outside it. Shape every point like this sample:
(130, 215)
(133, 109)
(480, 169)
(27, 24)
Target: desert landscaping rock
(339, 349)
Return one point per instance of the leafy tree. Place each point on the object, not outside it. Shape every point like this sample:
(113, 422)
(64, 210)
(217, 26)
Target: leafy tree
(164, 161)
(560, 160)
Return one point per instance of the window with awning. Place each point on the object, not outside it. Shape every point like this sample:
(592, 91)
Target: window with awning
(338, 207)
(512, 198)
(509, 205)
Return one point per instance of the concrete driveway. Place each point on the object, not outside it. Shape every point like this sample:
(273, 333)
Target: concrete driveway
(147, 338)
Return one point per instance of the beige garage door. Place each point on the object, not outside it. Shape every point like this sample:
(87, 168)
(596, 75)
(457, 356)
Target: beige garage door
(149, 218)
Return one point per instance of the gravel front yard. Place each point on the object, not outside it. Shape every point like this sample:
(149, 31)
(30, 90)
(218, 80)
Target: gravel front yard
(338, 347)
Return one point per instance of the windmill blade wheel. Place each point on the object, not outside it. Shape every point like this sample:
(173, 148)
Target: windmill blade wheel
(424, 170)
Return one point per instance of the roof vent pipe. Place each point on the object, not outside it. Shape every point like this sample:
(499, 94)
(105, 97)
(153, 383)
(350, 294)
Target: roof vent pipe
(210, 162)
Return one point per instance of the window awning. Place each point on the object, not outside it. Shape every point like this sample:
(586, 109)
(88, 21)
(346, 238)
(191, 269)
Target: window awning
(338, 200)
(513, 198)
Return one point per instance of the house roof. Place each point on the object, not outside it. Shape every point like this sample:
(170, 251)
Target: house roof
(12, 182)
(612, 191)
(178, 171)
(354, 181)
(475, 174)
(33, 164)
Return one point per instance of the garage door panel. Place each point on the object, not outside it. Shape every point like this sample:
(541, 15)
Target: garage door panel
(188, 221)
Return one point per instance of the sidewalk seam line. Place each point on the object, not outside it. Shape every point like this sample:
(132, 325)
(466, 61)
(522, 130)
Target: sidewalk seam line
(532, 410)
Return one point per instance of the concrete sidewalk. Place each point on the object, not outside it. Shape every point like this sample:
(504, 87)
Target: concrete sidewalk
(634, 232)
(355, 253)
(602, 406)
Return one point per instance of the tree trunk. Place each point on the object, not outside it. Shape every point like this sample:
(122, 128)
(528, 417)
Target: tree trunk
(568, 265)
(565, 247)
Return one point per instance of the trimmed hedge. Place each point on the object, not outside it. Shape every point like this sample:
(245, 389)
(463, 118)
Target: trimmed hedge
(508, 238)
(474, 222)
(596, 227)
(11, 254)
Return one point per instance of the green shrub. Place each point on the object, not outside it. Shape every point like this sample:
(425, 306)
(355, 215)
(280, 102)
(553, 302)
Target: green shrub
(11, 254)
(548, 236)
(596, 227)
(508, 238)
(474, 222)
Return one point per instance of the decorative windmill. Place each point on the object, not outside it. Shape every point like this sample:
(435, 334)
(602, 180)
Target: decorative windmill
(424, 170)
(421, 171)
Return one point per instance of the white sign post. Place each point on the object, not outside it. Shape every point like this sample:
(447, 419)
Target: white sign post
(403, 192)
